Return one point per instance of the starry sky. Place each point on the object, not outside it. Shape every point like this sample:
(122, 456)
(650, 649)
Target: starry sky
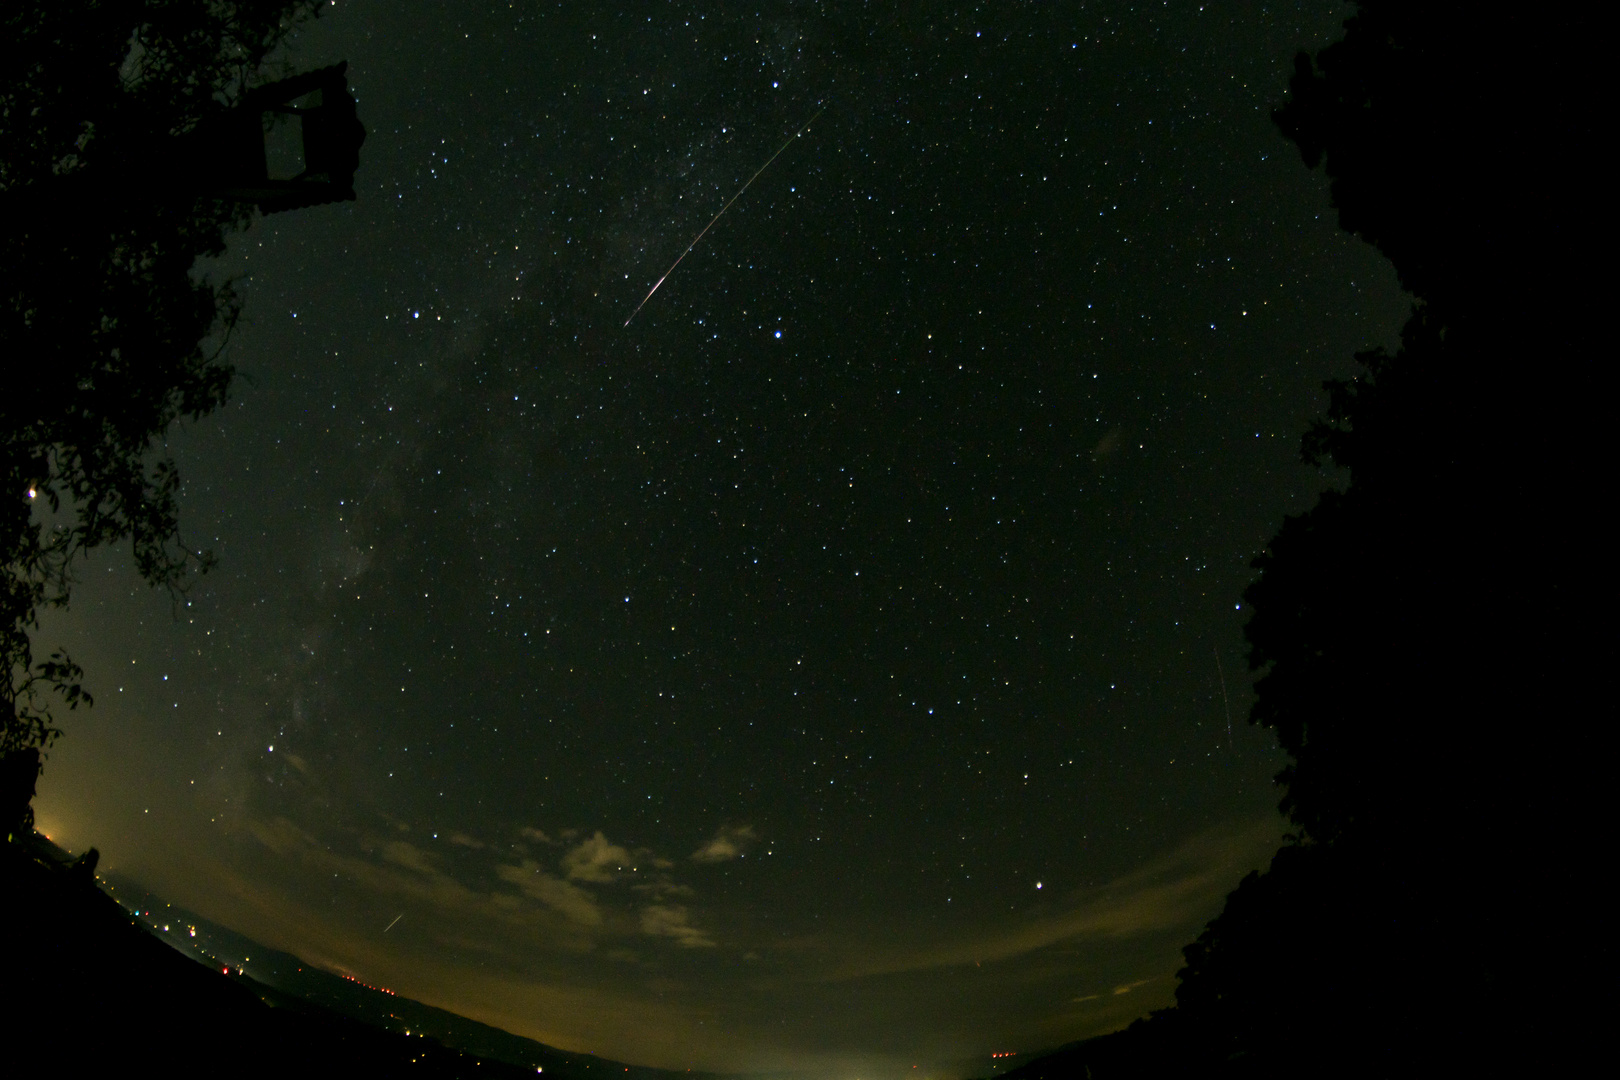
(831, 669)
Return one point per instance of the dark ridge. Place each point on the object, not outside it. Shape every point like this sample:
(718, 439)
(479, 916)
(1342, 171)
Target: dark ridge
(87, 982)
(286, 981)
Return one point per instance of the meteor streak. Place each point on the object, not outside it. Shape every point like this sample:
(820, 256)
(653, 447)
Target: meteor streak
(722, 214)
(1222, 672)
(390, 926)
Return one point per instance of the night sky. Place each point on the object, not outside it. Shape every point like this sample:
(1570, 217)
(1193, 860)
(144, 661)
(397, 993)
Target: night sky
(823, 671)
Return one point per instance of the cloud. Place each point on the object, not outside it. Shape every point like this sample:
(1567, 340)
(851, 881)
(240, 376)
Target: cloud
(410, 857)
(1180, 889)
(570, 901)
(660, 920)
(661, 887)
(536, 835)
(596, 860)
(426, 882)
(728, 843)
(1128, 987)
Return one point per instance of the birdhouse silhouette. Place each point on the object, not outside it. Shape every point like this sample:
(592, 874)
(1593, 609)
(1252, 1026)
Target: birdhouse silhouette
(227, 152)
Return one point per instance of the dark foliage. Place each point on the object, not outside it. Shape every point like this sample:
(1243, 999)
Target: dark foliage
(1458, 141)
(1425, 635)
(101, 321)
(1402, 618)
(19, 772)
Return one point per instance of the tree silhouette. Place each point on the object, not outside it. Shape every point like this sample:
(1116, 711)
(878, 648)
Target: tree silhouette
(1457, 142)
(1417, 594)
(1421, 632)
(101, 324)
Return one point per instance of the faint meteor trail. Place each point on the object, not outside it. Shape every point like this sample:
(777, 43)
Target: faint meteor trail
(722, 213)
(1228, 701)
(390, 926)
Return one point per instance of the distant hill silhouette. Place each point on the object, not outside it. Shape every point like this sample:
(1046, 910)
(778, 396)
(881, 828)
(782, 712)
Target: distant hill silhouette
(85, 986)
(287, 981)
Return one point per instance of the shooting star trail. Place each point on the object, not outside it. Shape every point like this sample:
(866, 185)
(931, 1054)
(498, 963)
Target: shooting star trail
(722, 214)
(390, 926)
(1228, 701)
